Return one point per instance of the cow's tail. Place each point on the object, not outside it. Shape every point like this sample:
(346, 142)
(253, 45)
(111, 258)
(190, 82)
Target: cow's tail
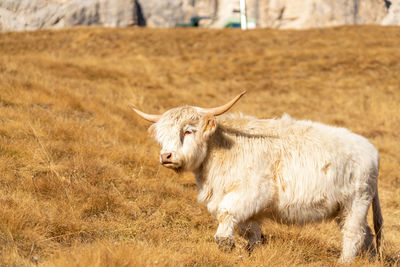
(378, 223)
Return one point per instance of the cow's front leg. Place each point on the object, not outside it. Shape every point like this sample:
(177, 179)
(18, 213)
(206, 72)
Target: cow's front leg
(224, 234)
(236, 207)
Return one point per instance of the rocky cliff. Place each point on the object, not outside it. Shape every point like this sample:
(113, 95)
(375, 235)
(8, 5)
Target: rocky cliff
(38, 14)
(16, 15)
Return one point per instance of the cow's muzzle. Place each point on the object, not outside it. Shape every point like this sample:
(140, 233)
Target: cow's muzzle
(167, 160)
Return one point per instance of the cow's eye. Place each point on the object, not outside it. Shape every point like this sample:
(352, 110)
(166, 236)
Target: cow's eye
(187, 132)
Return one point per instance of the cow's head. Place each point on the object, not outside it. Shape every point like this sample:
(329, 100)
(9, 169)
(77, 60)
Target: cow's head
(183, 133)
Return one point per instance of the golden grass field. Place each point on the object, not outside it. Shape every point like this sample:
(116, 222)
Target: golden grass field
(80, 182)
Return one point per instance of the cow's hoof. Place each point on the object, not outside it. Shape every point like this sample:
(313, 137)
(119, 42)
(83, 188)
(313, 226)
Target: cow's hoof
(225, 243)
(251, 245)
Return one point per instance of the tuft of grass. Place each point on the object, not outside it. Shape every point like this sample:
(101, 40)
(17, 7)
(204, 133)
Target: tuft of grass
(80, 184)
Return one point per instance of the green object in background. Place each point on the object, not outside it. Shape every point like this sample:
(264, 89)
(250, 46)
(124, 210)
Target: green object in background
(235, 23)
(194, 22)
(232, 23)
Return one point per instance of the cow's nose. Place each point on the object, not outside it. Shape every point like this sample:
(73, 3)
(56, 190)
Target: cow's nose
(166, 157)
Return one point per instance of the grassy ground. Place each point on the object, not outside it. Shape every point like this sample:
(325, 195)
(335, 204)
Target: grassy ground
(80, 182)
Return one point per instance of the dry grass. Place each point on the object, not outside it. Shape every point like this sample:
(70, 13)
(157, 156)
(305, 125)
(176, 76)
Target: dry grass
(80, 182)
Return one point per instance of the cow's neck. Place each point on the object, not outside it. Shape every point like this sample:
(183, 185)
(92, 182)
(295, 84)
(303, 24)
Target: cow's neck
(212, 175)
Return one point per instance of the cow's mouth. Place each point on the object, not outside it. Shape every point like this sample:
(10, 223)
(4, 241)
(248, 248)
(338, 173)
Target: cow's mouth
(171, 164)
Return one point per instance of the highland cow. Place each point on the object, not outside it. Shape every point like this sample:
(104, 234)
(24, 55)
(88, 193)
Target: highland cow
(293, 171)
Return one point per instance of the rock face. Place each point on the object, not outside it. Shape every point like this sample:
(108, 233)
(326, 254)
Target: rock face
(16, 15)
(393, 16)
(164, 13)
(320, 13)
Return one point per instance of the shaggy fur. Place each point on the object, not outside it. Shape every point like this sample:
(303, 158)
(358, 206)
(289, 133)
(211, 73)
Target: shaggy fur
(290, 170)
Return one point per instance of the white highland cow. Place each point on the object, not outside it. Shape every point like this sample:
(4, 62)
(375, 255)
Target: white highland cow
(291, 170)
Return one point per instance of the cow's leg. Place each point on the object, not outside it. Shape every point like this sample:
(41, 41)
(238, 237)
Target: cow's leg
(224, 234)
(251, 230)
(368, 245)
(235, 207)
(355, 229)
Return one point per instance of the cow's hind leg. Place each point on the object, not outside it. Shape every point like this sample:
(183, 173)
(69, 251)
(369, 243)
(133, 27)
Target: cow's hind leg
(356, 233)
(251, 231)
(368, 245)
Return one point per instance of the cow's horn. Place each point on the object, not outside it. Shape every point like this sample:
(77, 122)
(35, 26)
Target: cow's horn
(148, 117)
(221, 109)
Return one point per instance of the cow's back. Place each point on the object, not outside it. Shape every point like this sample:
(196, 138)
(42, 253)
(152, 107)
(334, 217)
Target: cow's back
(314, 167)
(318, 169)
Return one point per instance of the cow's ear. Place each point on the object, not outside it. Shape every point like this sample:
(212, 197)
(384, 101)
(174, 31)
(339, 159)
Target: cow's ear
(209, 125)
